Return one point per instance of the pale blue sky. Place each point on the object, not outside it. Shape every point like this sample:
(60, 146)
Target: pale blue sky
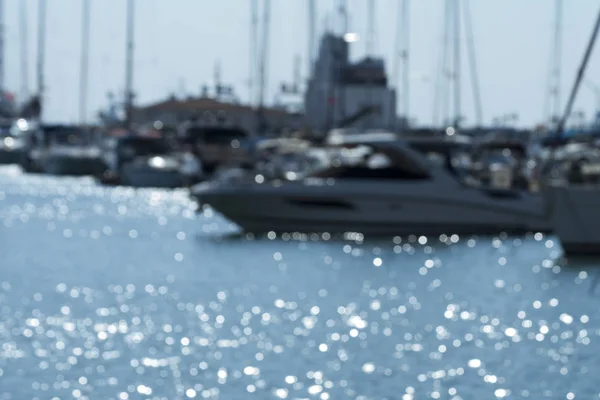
(180, 40)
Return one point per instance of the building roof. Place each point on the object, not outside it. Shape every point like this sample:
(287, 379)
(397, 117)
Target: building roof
(204, 104)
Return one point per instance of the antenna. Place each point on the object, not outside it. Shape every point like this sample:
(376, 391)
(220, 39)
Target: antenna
(85, 56)
(473, 64)
(371, 27)
(552, 103)
(24, 51)
(457, 65)
(1, 45)
(129, 63)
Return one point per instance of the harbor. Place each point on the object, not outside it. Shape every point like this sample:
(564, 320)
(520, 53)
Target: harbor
(321, 243)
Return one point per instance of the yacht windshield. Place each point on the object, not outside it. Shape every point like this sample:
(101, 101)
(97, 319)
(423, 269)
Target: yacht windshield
(66, 136)
(143, 146)
(385, 162)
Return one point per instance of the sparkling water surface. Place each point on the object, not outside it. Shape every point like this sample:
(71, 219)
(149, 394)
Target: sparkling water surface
(115, 293)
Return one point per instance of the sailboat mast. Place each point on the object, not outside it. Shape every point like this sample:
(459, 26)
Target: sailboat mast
(371, 27)
(405, 58)
(129, 64)
(473, 63)
(1, 45)
(343, 11)
(83, 78)
(457, 65)
(264, 55)
(41, 46)
(312, 31)
(253, 51)
(24, 42)
(442, 85)
(580, 73)
(554, 79)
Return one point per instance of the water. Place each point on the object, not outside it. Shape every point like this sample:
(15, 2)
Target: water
(111, 293)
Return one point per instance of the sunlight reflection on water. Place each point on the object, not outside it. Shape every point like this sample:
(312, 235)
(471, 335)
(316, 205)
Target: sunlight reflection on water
(114, 293)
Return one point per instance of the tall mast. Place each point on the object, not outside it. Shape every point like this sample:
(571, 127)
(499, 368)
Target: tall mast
(1, 45)
(343, 11)
(552, 104)
(457, 65)
(580, 73)
(473, 64)
(442, 86)
(24, 42)
(41, 47)
(254, 7)
(83, 77)
(129, 64)
(371, 28)
(264, 55)
(312, 32)
(405, 58)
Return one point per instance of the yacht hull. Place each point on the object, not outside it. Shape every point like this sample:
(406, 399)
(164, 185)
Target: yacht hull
(13, 156)
(373, 208)
(136, 176)
(70, 165)
(575, 218)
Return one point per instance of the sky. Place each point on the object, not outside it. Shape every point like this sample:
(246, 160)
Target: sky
(179, 42)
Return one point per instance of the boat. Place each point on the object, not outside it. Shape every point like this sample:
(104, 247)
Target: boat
(14, 143)
(572, 194)
(67, 150)
(397, 190)
(148, 161)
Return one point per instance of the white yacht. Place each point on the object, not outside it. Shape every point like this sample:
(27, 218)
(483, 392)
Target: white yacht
(395, 190)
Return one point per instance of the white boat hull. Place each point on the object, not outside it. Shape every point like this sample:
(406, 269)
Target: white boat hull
(372, 207)
(575, 217)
